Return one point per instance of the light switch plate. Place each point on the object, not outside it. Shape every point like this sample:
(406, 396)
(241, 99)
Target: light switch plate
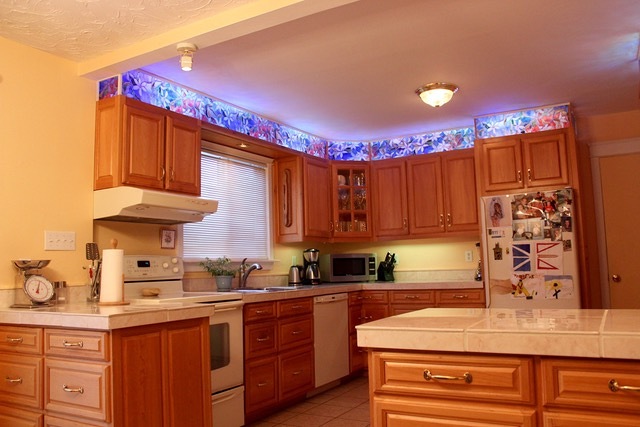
(59, 240)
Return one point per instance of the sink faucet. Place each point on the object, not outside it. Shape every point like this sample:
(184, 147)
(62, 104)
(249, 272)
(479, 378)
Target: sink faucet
(245, 270)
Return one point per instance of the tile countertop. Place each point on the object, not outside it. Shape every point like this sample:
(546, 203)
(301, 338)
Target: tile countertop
(572, 333)
(93, 316)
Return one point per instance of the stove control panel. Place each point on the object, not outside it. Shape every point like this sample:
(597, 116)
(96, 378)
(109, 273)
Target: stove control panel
(152, 267)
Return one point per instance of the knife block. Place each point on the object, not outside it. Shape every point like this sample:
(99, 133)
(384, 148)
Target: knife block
(385, 273)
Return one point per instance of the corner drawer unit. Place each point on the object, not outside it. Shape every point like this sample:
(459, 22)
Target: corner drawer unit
(583, 384)
(92, 345)
(15, 339)
(454, 376)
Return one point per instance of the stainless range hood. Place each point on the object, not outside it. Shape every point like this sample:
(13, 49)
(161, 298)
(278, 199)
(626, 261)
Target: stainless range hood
(130, 204)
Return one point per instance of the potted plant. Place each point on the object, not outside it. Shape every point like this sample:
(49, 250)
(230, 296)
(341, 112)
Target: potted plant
(222, 271)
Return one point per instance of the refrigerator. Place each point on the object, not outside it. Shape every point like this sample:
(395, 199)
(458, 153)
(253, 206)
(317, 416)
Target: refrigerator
(529, 250)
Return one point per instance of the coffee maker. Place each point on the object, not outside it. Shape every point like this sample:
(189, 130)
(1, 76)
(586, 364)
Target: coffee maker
(311, 266)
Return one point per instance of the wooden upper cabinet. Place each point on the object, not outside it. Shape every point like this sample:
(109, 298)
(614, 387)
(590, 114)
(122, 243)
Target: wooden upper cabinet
(524, 161)
(317, 198)
(390, 214)
(426, 201)
(459, 190)
(145, 146)
(351, 200)
(287, 199)
(426, 195)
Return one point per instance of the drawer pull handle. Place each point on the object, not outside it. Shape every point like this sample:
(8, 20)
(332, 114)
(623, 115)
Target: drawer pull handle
(467, 377)
(13, 380)
(296, 332)
(411, 297)
(296, 373)
(458, 296)
(263, 339)
(72, 390)
(261, 312)
(68, 344)
(614, 386)
(14, 340)
(296, 307)
(262, 384)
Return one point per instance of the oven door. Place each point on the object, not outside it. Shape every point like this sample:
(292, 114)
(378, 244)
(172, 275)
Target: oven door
(226, 346)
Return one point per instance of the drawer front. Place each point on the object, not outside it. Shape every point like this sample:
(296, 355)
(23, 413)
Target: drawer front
(295, 307)
(14, 417)
(21, 380)
(296, 373)
(14, 339)
(406, 308)
(355, 298)
(82, 344)
(561, 419)
(414, 412)
(61, 422)
(375, 297)
(461, 297)
(77, 388)
(486, 378)
(259, 311)
(260, 340)
(355, 317)
(295, 332)
(585, 384)
(412, 297)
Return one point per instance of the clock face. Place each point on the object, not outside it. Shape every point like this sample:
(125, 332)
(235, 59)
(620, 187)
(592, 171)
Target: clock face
(38, 289)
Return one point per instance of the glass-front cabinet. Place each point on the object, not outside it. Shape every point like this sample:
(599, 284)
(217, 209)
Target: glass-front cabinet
(351, 204)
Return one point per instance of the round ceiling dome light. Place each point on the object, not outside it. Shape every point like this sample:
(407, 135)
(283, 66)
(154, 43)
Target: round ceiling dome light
(436, 94)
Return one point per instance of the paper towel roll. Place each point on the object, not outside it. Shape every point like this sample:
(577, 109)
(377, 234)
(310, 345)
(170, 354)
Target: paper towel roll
(112, 278)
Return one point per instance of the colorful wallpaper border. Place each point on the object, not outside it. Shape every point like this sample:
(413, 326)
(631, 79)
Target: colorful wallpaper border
(145, 87)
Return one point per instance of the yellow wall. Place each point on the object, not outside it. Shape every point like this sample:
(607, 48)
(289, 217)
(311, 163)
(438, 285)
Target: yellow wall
(46, 167)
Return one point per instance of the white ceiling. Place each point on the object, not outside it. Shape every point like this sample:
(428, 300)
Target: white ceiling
(348, 69)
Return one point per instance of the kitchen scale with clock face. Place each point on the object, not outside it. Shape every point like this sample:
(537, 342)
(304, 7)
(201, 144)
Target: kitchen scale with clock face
(37, 288)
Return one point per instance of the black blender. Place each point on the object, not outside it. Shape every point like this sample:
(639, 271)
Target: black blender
(311, 266)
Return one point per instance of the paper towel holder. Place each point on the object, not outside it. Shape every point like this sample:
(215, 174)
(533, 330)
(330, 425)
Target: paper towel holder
(114, 245)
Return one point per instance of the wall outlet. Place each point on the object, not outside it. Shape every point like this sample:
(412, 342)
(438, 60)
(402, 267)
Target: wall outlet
(468, 256)
(59, 240)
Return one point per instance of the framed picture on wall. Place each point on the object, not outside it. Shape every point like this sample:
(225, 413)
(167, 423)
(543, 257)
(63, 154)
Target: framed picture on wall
(167, 238)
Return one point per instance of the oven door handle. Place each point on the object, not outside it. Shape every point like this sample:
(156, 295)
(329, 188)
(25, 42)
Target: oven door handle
(220, 307)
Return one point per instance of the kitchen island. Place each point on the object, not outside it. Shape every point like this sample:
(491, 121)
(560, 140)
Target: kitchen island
(504, 367)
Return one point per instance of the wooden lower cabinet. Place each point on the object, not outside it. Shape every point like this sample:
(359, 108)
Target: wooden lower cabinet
(412, 388)
(278, 354)
(127, 377)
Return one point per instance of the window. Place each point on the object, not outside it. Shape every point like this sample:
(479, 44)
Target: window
(240, 227)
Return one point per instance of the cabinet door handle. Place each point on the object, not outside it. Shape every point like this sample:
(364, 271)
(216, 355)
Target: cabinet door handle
(441, 220)
(14, 340)
(405, 223)
(267, 338)
(287, 199)
(68, 344)
(529, 174)
(614, 386)
(519, 176)
(164, 173)
(68, 389)
(466, 377)
(449, 219)
(13, 380)
(172, 175)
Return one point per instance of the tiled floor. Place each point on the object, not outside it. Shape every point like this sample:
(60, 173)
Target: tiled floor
(344, 406)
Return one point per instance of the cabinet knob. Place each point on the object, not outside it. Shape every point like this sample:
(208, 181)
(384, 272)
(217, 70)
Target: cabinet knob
(616, 278)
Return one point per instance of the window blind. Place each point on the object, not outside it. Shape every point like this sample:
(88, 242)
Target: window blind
(240, 227)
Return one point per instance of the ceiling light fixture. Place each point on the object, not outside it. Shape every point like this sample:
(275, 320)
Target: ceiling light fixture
(436, 94)
(186, 55)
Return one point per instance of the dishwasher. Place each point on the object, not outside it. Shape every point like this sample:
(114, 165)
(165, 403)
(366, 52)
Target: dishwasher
(331, 337)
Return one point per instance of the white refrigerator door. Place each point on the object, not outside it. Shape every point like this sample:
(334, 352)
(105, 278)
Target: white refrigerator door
(529, 252)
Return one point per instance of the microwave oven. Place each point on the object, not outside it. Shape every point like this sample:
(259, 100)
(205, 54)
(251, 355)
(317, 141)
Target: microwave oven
(348, 267)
